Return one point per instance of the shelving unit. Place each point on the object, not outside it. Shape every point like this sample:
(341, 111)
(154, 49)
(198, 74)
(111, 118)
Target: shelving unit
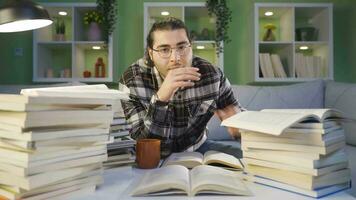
(195, 16)
(64, 59)
(301, 45)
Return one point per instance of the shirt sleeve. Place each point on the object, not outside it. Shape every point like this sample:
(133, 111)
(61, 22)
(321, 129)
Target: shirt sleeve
(226, 95)
(149, 119)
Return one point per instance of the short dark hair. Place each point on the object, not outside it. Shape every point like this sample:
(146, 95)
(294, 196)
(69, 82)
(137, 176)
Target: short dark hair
(169, 24)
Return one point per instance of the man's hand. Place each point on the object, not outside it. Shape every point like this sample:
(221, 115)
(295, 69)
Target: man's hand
(225, 113)
(179, 77)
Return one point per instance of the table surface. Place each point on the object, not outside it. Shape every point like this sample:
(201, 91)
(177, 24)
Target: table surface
(117, 183)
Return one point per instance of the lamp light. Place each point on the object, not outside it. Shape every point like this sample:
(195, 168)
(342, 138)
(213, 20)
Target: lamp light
(22, 15)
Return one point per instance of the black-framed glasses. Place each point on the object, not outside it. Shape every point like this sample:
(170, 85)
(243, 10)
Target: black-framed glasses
(166, 52)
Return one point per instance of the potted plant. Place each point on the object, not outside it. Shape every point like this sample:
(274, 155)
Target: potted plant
(60, 29)
(108, 9)
(93, 19)
(223, 18)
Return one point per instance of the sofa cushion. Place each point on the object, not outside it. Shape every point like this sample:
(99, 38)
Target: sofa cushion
(342, 96)
(301, 95)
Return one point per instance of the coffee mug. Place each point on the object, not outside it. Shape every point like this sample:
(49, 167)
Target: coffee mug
(148, 153)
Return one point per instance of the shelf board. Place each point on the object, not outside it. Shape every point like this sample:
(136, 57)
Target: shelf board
(311, 43)
(89, 42)
(56, 42)
(275, 42)
(204, 41)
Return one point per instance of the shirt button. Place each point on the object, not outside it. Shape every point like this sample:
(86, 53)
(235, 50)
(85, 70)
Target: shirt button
(179, 96)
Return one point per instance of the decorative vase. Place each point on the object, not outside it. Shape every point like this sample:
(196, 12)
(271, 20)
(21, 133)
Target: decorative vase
(94, 32)
(269, 35)
(59, 37)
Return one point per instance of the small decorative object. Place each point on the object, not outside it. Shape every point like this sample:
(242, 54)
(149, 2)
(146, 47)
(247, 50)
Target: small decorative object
(49, 73)
(205, 34)
(67, 73)
(93, 19)
(193, 35)
(269, 35)
(306, 34)
(99, 68)
(108, 9)
(86, 74)
(223, 18)
(60, 30)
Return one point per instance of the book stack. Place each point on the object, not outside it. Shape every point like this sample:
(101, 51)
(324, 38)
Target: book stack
(121, 151)
(296, 150)
(53, 141)
(271, 66)
(309, 66)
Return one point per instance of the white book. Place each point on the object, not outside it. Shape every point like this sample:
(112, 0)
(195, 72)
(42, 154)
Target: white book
(263, 65)
(51, 133)
(246, 145)
(76, 162)
(56, 118)
(277, 66)
(301, 180)
(317, 193)
(292, 168)
(277, 121)
(14, 193)
(16, 102)
(300, 159)
(68, 141)
(87, 91)
(269, 66)
(42, 179)
(176, 179)
(315, 139)
(25, 157)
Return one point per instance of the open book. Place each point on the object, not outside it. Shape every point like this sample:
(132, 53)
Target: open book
(203, 179)
(277, 121)
(215, 158)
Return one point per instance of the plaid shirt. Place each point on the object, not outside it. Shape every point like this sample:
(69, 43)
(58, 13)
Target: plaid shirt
(181, 123)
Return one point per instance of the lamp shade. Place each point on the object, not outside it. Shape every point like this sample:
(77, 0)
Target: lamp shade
(22, 15)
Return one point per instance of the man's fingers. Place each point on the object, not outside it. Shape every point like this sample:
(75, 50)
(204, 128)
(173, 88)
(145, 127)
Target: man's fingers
(186, 77)
(183, 84)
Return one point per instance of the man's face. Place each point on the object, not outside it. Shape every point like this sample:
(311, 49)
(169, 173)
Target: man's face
(181, 53)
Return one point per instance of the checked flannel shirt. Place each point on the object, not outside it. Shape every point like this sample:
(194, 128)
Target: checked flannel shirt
(181, 123)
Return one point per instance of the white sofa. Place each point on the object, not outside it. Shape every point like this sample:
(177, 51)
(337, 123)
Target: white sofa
(314, 94)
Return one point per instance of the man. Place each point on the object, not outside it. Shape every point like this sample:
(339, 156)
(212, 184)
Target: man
(173, 94)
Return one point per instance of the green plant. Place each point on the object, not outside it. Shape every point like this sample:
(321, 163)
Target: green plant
(108, 8)
(93, 16)
(60, 26)
(223, 18)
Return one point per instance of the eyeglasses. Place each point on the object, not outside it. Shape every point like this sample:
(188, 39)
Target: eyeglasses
(166, 52)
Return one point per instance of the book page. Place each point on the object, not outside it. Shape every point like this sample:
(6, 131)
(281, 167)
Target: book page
(187, 159)
(207, 179)
(173, 177)
(273, 123)
(216, 158)
(321, 113)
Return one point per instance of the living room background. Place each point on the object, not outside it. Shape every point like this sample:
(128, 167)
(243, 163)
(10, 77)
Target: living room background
(238, 54)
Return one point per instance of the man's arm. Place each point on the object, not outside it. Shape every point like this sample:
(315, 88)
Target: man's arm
(225, 113)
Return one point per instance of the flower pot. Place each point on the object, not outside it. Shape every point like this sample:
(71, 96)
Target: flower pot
(59, 37)
(306, 34)
(94, 32)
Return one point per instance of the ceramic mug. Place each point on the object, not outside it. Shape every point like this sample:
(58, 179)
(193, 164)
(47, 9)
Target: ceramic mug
(148, 153)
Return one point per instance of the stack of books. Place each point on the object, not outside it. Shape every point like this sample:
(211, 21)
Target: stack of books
(297, 150)
(121, 151)
(271, 66)
(53, 141)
